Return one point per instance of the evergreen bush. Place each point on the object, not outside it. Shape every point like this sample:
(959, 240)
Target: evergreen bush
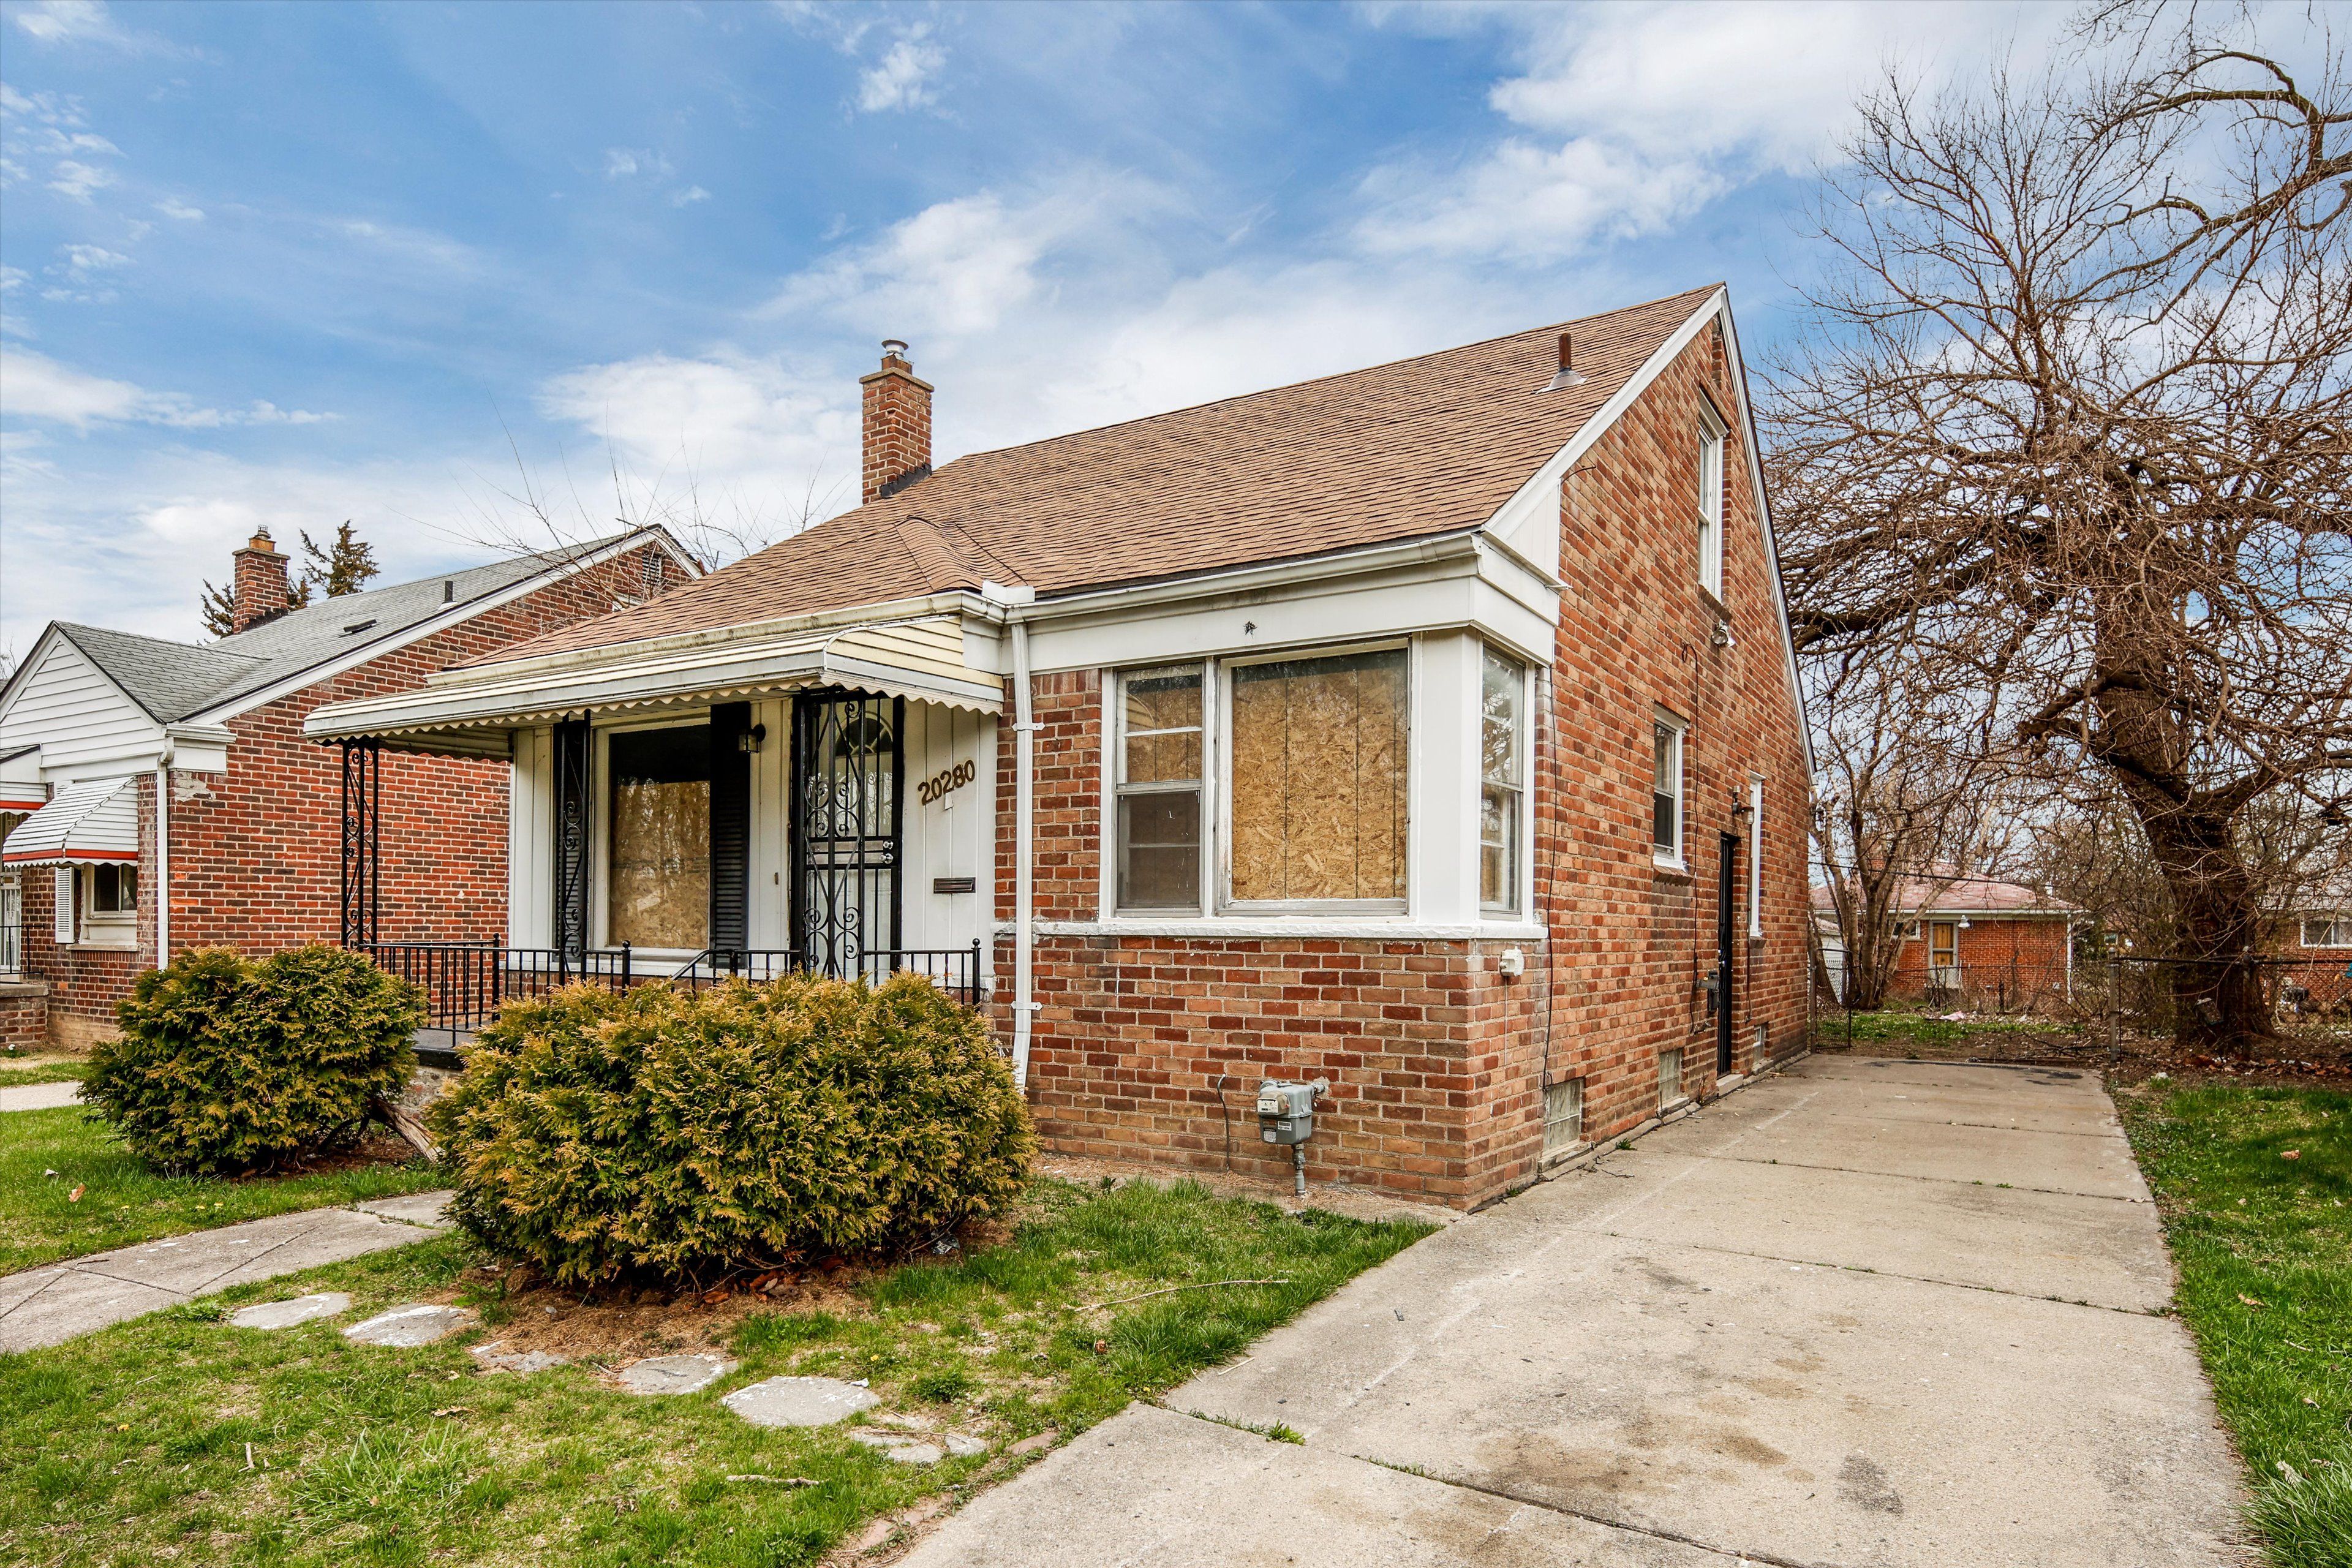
(225, 1064)
(689, 1134)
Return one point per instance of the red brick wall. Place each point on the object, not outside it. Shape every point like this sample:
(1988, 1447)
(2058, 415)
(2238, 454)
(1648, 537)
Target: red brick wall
(255, 853)
(2005, 964)
(1438, 1062)
(23, 1018)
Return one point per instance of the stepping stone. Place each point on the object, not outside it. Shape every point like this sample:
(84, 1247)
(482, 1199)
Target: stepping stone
(517, 1361)
(800, 1401)
(286, 1314)
(674, 1373)
(419, 1323)
(900, 1450)
(963, 1448)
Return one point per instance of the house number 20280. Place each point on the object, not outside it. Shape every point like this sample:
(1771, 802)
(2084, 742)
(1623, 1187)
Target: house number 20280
(944, 783)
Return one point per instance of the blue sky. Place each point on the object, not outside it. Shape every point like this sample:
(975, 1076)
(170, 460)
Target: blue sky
(286, 265)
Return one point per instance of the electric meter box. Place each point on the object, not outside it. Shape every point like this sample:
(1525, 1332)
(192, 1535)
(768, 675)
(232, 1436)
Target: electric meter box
(1286, 1111)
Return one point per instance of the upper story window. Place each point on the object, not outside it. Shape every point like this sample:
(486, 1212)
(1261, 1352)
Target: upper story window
(1666, 791)
(1710, 502)
(1317, 782)
(2328, 931)
(1160, 747)
(658, 844)
(1502, 687)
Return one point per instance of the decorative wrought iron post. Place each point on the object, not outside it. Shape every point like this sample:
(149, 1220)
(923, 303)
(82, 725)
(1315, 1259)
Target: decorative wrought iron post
(574, 800)
(362, 824)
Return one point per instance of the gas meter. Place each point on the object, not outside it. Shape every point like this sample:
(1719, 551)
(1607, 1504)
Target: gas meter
(1285, 1114)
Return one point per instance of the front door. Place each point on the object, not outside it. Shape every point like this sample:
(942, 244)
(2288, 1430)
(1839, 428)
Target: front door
(847, 778)
(1727, 909)
(1943, 955)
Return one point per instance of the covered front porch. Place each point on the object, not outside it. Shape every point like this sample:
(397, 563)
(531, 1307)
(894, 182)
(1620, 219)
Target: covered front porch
(819, 801)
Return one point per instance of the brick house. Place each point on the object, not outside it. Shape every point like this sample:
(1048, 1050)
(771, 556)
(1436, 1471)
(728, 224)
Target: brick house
(98, 727)
(1972, 941)
(1430, 730)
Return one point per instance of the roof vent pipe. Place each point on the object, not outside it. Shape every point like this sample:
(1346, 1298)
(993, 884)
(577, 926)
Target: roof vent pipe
(448, 589)
(1569, 376)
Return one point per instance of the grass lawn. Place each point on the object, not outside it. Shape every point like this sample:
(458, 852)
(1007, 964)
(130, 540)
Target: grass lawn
(17, 1076)
(130, 1447)
(124, 1201)
(1899, 1027)
(2263, 1243)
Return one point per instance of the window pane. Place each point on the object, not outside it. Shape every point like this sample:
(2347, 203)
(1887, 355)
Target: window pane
(105, 890)
(1498, 847)
(659, 848)
(1160, 850)
(1499, 720)
(1667, 786)
(1318, 778)
(1161, 718)
(127, 890)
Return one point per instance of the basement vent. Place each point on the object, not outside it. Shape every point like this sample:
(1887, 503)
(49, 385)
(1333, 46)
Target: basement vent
(1563, 1117)
(1670, 1077)
(357, 627)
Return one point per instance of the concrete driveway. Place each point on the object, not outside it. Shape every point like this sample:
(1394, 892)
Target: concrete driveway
(1861, 1312)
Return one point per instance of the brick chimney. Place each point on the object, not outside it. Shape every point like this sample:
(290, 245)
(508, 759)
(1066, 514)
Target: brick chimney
(261, 586)
(897, 424)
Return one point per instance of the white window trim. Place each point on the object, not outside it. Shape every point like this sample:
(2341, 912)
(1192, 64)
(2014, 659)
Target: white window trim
(103, 928)
(1755, 859)
(1712, 442)
(1522, 843)
(1113, 685)
(1670, 857)
(2338, 925)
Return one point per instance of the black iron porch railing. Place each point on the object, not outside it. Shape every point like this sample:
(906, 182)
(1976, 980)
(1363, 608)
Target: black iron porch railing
(466, 982)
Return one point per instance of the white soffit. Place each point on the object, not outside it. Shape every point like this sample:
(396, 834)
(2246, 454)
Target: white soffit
(97, 820)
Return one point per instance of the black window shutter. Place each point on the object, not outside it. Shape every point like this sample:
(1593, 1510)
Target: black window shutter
(574, 798)
(730, 827)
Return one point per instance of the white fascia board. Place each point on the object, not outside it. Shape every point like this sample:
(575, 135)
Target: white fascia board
(455, 614)
(197, 748)
(1539, 499)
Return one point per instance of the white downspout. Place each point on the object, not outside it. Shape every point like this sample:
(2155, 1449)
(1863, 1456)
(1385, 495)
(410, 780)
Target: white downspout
(163, 865)
(1025, 732)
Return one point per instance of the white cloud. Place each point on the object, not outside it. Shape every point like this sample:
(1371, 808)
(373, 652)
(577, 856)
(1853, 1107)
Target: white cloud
(1625, 120)
(907, 75)
(85, 22)
(688, 196)
(75, 180)
(34, 387)
(627, 162)
(83, 260)
(173, 207)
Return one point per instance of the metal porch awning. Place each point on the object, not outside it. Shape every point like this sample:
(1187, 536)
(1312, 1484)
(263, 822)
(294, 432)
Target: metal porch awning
(474, 711)
(95, 821)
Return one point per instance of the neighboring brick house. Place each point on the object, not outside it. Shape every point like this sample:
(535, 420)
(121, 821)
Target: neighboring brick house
(1976, 942)
(94, 723)
(1430, 730)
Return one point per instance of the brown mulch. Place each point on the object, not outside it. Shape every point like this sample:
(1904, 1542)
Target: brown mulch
(377, 1147)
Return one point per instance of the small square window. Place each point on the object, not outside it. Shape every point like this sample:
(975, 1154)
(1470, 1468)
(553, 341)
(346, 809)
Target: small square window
(1563, 1117)
(1666, 791)
(114, 891)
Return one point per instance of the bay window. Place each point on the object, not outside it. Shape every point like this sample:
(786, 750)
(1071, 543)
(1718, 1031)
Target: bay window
(657, 847)
(1317, 782)
(1159, 751)
(1501, 687)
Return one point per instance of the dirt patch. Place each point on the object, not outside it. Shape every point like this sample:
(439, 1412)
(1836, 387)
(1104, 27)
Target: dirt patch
(2132, 1058)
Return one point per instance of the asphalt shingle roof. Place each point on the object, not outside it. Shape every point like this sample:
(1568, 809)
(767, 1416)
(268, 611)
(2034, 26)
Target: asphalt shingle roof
(1410, 449)
(173, 680)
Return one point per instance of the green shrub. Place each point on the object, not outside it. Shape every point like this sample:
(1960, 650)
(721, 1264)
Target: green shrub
(225, 1064)
(677, 1134)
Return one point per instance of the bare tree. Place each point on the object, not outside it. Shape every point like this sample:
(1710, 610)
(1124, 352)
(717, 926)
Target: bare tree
(2074, 424)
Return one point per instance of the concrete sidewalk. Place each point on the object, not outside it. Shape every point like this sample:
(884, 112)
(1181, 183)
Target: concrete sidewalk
(50, 1305)
(1863, 1312)
(39, 1095)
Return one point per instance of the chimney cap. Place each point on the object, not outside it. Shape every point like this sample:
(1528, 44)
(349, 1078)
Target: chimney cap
(262, 541)
(894, 348)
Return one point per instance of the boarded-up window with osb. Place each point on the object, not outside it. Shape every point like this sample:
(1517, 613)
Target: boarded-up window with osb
(1318, 780)
(658, 857)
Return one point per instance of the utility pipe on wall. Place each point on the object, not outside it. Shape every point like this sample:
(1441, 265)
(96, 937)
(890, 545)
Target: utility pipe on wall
(163, 865)
(1025, 730)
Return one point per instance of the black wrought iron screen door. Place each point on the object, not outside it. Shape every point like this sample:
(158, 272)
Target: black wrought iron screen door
(847, 772)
